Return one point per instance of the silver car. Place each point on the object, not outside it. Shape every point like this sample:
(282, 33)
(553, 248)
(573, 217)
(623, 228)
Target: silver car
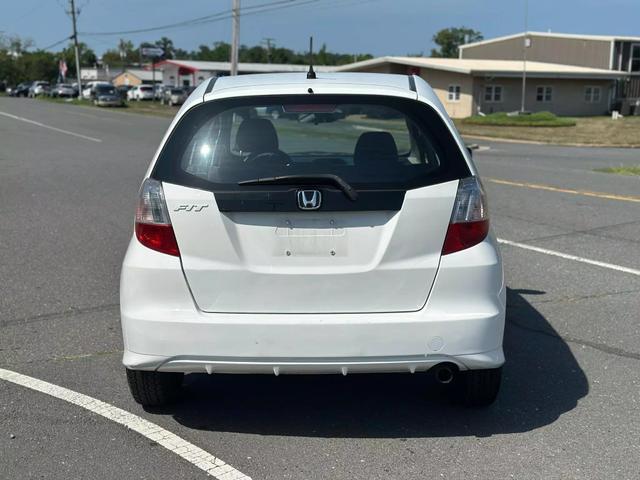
(63, 90)
(39, 88)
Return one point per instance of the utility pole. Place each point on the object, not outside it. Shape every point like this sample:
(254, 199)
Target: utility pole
(235, 37)
(525, 45)
(75, 46)
(268, 41)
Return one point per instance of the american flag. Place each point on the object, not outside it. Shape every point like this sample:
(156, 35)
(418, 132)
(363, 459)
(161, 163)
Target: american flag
(62, 68)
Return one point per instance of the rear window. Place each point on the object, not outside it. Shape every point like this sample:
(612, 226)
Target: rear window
(107, 89)
(371, 142)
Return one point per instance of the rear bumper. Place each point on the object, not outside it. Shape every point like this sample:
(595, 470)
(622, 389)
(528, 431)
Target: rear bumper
(277, 366)
(109, 103)
(462, 322)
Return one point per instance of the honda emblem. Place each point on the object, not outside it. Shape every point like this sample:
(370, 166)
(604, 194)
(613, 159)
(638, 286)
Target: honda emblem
(309, 199)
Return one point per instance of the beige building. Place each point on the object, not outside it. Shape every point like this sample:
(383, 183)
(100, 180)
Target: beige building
(469, 86)
(618, 53)
(135, 77)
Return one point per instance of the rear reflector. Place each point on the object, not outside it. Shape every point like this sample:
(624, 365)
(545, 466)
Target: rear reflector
(469, 223)
(153, 225)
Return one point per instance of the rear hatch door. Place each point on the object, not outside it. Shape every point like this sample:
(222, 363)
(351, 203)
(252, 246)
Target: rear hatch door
(268, 248)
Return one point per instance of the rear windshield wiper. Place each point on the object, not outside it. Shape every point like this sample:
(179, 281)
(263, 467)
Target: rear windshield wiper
(318, 179)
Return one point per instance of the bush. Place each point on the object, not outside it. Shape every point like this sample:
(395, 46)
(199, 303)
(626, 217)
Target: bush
(538, 119)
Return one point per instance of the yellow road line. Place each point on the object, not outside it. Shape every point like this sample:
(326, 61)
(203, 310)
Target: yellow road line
(586, 193)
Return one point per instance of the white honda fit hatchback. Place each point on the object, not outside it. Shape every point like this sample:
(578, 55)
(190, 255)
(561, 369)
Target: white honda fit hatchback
(328, 225)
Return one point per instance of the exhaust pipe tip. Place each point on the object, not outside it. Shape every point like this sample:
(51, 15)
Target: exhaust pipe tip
(444, 373)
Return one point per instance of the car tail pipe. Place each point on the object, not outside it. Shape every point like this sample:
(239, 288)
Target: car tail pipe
(445, 372)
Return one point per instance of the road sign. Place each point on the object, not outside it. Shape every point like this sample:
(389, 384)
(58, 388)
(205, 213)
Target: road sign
(151, 51)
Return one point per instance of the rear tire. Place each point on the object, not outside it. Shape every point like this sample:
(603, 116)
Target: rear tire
(154, 389)
(477, 388)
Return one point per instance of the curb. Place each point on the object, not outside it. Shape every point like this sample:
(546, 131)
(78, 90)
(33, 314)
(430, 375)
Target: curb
(535, 142)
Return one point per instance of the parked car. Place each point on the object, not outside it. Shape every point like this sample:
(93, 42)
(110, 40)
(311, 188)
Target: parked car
(261, 248)
(174, 96)
(63, 90)
(158, 91)
(38, 88)
(20, 90)
(87, 88)
(123, 89)
(141, 92)
(106, 96)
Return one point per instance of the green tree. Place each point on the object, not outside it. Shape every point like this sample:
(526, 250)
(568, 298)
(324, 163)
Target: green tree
(87, 58)
(182, 54)
(40, 65)
(255, 54)
(15, 45)
(166, 44)
(221, 52)
(449, 39)
(124, 54)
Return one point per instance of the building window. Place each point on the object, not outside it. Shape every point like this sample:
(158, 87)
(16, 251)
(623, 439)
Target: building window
(493, 93)
(454, 93)
(634, 61)
(544, 94)
(592, 94)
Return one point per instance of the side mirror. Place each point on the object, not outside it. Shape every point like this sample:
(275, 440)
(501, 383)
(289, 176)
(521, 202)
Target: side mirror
(470, 150)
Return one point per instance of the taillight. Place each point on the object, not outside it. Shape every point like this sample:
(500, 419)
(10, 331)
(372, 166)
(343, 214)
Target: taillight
(469, 224)
(153, 225)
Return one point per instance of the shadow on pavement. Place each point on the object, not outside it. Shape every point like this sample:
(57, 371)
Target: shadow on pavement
(541, 381)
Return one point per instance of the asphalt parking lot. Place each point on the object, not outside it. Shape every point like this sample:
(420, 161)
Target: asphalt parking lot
(570, 403)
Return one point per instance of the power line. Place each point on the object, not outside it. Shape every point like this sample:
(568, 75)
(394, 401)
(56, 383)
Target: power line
(33, 8)
(56, 43)
(219, 16)
(215, 17)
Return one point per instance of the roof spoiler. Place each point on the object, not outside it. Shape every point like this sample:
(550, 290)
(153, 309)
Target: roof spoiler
(212, 82)
(412, 84)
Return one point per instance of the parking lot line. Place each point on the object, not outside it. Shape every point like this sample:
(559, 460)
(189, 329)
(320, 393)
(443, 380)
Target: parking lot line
(55, 129)
(587, 193)
(172, 442)
(567, 256)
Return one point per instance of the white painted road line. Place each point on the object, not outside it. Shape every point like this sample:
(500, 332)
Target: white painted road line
(192, 454)
(55, 129)
(566, 256)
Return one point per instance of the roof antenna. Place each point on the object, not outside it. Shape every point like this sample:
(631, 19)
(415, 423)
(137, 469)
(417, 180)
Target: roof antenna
(311, 75)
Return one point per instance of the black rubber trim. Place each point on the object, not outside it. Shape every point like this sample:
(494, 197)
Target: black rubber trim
(333, 200)
(412, 84)
(212, 82)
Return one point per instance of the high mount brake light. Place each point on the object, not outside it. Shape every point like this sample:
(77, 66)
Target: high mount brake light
(469, 224)
(309, 108)
(153, 225)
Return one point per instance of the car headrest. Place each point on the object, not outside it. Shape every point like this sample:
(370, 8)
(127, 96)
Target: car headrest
(375, 147)
(256, 135)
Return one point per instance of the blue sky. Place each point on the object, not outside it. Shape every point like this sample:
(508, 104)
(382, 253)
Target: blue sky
(379, 27)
